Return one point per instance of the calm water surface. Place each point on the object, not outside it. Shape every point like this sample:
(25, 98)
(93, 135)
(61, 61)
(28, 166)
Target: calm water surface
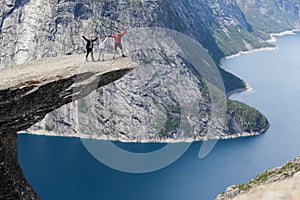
(61, 168)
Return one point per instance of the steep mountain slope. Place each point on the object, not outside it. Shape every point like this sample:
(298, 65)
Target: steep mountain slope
(36, 28)
(271, 15)
(58, 24)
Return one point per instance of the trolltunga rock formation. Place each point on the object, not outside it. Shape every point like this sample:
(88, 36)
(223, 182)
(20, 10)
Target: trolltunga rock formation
(29, 91)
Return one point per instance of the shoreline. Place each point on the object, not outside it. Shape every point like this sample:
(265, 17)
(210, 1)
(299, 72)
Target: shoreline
(273, 36)
(247, 88)
(249, 52)
(168, 140)
(272, 39)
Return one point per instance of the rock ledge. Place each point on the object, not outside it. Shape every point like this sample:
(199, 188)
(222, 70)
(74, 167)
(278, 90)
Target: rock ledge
(29, 91)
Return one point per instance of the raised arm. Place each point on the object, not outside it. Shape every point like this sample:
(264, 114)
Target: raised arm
(84, 38)
(105, 39)
(94, 40)
(124, 32)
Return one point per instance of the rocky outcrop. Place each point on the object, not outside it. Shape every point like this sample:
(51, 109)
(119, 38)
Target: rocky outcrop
(30, 91)
(13, 184)
(274, 184)
(286, 189)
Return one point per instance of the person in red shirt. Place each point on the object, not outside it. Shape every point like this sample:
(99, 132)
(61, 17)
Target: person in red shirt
(118, 37)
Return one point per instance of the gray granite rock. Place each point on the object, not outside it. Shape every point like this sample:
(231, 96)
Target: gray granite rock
(30, 91)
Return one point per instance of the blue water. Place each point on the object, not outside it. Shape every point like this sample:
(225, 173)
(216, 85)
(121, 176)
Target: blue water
(61, 168)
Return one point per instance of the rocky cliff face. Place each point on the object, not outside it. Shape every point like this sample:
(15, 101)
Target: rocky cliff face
(13, 184)
(30, 91)
(36, 28)
(152, 103)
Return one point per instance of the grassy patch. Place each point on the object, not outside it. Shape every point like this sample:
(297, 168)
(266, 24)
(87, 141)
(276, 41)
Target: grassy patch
(250, 119)
(49, 128)
(172, 122)
(287, 170)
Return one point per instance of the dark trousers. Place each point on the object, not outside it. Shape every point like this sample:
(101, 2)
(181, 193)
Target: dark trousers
(88, 51)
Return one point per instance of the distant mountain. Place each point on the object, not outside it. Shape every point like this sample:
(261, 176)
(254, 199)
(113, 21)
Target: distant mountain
(271, 15)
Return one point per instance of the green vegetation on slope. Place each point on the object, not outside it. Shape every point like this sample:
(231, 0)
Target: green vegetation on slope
(173, 121)
(232, 40)
(231, 82)
(287, 170)
(250, 119)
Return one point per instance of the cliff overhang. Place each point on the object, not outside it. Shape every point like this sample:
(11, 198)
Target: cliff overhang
(31, 90)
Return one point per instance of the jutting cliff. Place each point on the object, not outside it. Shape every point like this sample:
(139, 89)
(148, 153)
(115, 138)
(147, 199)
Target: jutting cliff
(30, 91)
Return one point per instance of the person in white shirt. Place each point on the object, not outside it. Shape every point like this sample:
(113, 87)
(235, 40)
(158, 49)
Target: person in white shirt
(102, 47)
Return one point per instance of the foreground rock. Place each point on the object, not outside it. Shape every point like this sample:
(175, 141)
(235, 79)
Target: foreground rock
(28, 92)
(274, 184)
